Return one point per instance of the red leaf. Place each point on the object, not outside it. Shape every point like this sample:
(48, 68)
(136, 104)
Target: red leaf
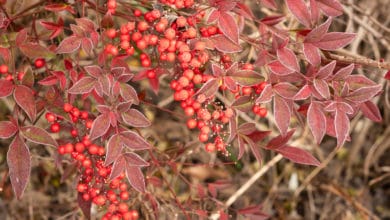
(246, 77)
(100, 126)
(280, 140)
(33, 50)
(38, 135)
(213, 16)
(317, 33)
(266, 95)
(7, 129)
(135, 118)
(331, 8)
(371, 111)
(94, 70)
(246, 128)
(326, 71)
(5, 53)
(133, 141)
(334, 40)
(285, 89)
(19, 164)
(223, 44)
(322, 88)
(118, 167)
(57, 7)
(217, 70)
(254, 149)
(6, 88)
(57, 28)
(298, 155)
(244, 104)
(312, 54)
(279, 69)
(134, 160)
(257, 136)
(209, 88)
(69, 45)
(358, 81)
(114, 149)
(342, 73)
(282, 114)
(244, 10)
(269, 4)
(25, 99)
(364, 94)
(303, 93)
(86, 24)
(87, 45)
(317, 121)
(341, 123)
(227, 24)
(299, 9)
(136, 178)
(288, 59)
(128, 93)
(84, 85)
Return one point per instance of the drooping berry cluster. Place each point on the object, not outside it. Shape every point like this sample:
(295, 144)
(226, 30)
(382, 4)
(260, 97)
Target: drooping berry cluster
(94, 183)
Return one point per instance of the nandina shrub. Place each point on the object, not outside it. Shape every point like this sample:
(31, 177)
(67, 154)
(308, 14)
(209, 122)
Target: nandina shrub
(74, 70)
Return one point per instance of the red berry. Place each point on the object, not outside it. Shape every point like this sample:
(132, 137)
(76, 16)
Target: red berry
(137, 13)
(39, 63)
(50, 117)
(67, 107)
(79, 147)
(111, 33)
(55, 127)
(3, 69)
(191, 123)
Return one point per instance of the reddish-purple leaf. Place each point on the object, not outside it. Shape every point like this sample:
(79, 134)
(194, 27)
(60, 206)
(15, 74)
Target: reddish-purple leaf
(34, 50)
(387, 75)
(317, 121)
(342, 73)
(331, 8)
(303, 93)
(57, 28)
(246, 77)
(209, 88)
(298, 155)
(38, 135)
(87, 45)
(136, 178)
(213, 16)
(223, 44)
(128, 93)
(334, 40)
(133, 141)
(371, 111)
(288, 59)
(19, 164)
(254, 149)
(279, 69)
(317, 33)
(94, 70)
(118, 167)
(280, 140)
(86, 24)
(314, 12)
(100, 126)
(285, 89)
(246, 128)
(135, 118)
(341, 124)
(257, 136)
(5, 53)
(28, 79)
(282, 114)
(57, 7)
(105, 84)
(85, 206)
(114, 149)
(312, 54)
(6, 88)
(7, 129)
(69, 45)
(25, 99)
(244, 104)
(84, 85)
(244, 10)
(266, 95)
(322, 88)
(326, 71)
(358, 81)
(217, 70)
(227, 24)
(299, 9)
(364, 94)
(134, 160)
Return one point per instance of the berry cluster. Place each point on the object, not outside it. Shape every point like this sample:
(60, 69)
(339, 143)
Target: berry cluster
(94, 183)
(179, 4)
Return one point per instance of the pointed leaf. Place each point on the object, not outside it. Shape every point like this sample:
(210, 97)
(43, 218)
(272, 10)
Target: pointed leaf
(136, 178)
(223, 44)
(364, 94)
(135, 118)
(134, 160)
(114, 149)
(33, 50)
(209, 88)
(227, 24)
(279, 69)
(371, 111)
(134, 141)
(280, 140)
(288, 59)
(19, 164)
(299, 9)
(128, 93)
(266, 95)
(298, 155)
(344, 72)
(85, 206)
(7, 129)
(100, 126)
(303, 93)
(25, 99)
(334, 40)
(285, 89)
(317, 121)
(317, 33)
(282, 114)
(246, 77)
(341, 124)
(38, 135)
(69, 45)
(94, 70)
(322, 88)
(312, 54)
(326, 71)
(84, 85)
(244, 104)
(331, 8)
